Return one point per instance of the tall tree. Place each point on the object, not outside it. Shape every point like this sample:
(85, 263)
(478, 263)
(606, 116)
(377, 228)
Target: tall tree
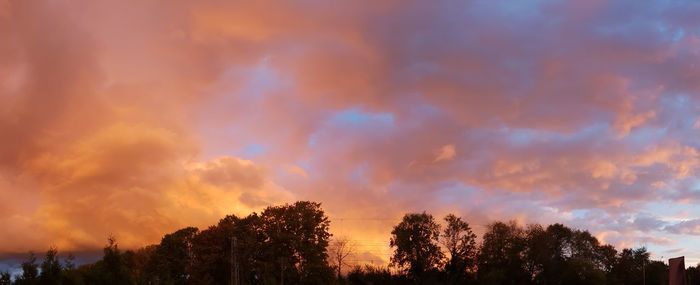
(70, 275)
(340, 249)
(586, 262)
(560, 255)
(693, 273)
(51, 268)
(112, 269)
(548, 251)
(656, 273)
(500, 258)
(629, 267)
(607, 256)
(213, 251)
(415, 242)
(5, 278)
(297, 239)
(141, 265)
(209, 252)
(460, 243)
(288, 241)
(171, 261)
(30, 272)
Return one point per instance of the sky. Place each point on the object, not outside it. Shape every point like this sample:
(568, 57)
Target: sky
(136, 118)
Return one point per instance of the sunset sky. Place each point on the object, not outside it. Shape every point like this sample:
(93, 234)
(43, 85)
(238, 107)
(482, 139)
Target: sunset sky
(137, 118)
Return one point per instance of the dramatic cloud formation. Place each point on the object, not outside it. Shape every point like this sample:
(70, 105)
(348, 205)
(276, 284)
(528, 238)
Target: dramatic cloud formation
(134, 118)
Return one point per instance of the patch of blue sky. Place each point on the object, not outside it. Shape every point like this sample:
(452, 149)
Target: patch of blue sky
(632, 26)
(417, 106)
(523, 136)
(646, 135)
(426, 108)
(312, 140)
(676, 100)
(456, 192)
(257, 79)
(304, 164)
(580, 213)
(671, 211)
(355, 116)
(669, 32)
(680, 245)
(677, 34)
(680, 110)
(359, 173)
(526, 136)
(694, 189)
(253, 150)
(519, 9)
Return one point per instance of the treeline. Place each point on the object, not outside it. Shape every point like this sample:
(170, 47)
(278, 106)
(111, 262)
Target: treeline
(428, 253)
(290, 244)
(282, 243)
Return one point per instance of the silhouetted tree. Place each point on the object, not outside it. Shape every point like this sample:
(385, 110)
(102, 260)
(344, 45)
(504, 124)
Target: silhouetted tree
(5, 278)
(110, 270)
(628, 268)
(30, 272)
(209, 249)
(415, 242)
(586, 263)
(287, 241)
(607, 256)
(656, 273)
(693, 273)
(580, 271)
(69, 262)
(114, 267)
(51, 268)
(290, 243)
(140, 265)
(212, 251)
(70, 275)
(460, 243)
(296, 240)
(559, 255)
(171, 261)
(547, 252)
(340, 250)
(500, 259)
(370, 275)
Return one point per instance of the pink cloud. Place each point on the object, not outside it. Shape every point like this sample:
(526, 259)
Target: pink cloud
(516, 112)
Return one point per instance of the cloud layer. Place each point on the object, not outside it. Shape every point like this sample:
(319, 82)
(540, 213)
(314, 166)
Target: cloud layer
(137, 117)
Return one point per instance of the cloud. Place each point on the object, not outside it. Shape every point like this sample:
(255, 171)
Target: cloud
(96, 146)
(136, 183)
(688, 227)
(134, 117)
(447, 152)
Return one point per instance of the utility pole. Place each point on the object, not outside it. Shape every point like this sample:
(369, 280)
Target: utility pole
(230, 260)
(644, 272)
(233, 260)
(282, 267)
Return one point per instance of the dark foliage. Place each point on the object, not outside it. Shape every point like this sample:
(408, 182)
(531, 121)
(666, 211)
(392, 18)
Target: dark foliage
(415, 243)
(289, 244)
(369, 275)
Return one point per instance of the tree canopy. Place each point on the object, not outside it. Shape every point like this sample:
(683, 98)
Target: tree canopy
(290, 244)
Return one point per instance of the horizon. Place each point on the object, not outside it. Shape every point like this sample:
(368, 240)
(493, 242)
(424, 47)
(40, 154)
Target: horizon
(11, 261)
(138, 118)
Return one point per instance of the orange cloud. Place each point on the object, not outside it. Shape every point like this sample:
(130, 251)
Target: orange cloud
(133, 117)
